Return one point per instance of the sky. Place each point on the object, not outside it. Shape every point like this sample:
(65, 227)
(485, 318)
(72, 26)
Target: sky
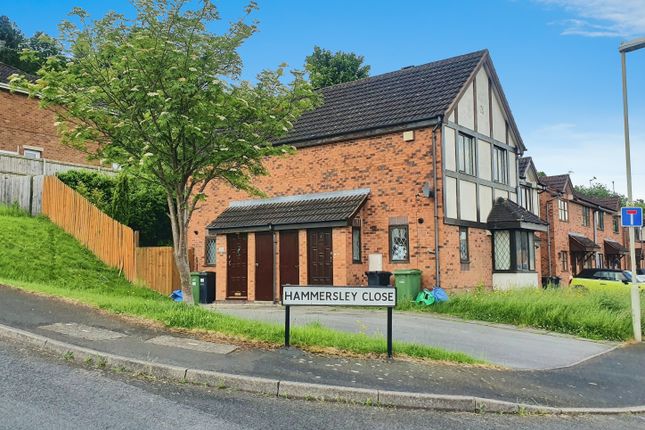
(557, 60)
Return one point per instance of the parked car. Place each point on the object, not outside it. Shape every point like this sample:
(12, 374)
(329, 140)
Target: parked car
(593, 278)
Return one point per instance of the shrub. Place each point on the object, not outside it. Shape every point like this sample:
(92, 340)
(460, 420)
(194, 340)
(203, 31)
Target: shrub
(136, 203)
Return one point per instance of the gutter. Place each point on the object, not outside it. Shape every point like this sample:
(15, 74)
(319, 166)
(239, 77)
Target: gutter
(436, 202)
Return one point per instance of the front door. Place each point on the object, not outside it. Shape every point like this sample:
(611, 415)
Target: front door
(319, 256)
(236, 282)
(264, 266)
(289, 258)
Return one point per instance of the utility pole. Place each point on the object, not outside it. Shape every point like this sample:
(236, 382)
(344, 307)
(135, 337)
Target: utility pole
(635, 293)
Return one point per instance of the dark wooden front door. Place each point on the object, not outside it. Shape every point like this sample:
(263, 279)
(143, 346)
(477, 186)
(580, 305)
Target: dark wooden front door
(289, 258)
(236, 282)
(319, 256)
(264, 266)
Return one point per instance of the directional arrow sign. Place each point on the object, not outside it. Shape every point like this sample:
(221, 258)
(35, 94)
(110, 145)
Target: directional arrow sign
(631, 217)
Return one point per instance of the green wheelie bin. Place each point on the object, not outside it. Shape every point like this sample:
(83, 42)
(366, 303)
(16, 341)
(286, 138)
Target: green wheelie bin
(194, 283)
(408, 284)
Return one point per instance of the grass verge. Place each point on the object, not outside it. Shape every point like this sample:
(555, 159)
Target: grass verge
(602, 314)
(37, 256)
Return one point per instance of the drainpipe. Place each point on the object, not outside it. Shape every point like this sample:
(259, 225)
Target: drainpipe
(595, 238)
(436, 202)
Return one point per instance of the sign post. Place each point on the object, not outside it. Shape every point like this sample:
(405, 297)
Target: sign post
(632, 218)
(316, 295)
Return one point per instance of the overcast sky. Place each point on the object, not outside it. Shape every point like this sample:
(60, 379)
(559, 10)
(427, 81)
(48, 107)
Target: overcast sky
(557, 60)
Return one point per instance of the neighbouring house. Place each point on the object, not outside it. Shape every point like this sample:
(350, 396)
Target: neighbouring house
(27, 133)
(583, 232)
(417, 168)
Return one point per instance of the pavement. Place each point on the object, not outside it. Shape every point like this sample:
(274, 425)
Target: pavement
(38, 391)
(612, 380)
(499, 344)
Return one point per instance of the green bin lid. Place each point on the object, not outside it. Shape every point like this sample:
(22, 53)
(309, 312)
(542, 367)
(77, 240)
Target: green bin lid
(407, 272)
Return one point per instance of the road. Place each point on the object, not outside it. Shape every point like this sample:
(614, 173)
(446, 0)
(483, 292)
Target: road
(37, 391)
(497, 344)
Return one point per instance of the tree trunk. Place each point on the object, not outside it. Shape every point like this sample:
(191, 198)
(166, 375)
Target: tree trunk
(178, 222)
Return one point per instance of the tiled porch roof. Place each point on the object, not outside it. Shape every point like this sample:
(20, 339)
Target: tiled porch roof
(332, 209)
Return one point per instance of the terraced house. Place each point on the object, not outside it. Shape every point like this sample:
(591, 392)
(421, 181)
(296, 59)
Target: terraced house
(417, 168)
(583, 232)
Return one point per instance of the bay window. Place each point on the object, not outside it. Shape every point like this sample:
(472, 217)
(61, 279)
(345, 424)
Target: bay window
(514, 251)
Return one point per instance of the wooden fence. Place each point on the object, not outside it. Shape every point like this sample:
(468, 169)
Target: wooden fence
(114, 243)
(24, 191)
(15, 164)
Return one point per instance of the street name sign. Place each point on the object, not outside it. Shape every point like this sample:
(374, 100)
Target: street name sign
(339, 296)
(631, 217)
(328, 295)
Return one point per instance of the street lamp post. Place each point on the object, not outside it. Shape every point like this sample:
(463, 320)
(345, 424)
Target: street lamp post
(624, 48)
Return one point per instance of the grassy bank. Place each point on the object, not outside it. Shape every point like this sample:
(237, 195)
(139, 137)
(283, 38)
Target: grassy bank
(39, 257)
(597, 314)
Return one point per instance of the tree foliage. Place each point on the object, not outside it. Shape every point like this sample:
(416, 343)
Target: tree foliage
(326, 68)
(138, 204)
(13, 42)
(599, 190)
(161, 95)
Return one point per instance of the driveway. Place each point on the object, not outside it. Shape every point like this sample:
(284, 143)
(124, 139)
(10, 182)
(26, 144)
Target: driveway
(504, 345)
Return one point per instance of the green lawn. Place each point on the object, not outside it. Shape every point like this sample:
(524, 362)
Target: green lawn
(596, 314)
(38, 256)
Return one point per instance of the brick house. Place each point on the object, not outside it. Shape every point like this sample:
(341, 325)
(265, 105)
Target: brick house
(583, 232)
(417, 168)
(27, 130)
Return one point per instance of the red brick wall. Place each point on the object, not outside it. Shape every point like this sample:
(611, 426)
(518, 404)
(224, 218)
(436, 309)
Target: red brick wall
(559, 234)
(24, 123)
(395, 171)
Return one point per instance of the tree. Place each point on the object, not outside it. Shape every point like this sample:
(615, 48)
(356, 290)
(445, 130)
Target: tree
(13, 42)
(162, 96)
(326, 68)
(599, 190)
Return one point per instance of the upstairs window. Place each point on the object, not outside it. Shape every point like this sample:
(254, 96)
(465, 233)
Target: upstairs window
(32, 153)
(600, 220)
(526, 198)
(616, 225)
(585, 216)
(500, 165)
(466, 148)
(563, 210)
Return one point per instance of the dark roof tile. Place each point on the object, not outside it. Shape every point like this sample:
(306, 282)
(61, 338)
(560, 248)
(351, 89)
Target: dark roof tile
(7, 70)
(333, 208)
(507, 214)
(408, 95)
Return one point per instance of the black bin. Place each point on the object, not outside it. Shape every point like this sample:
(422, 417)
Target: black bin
(378, 278)
(551, 281)
(206, 287)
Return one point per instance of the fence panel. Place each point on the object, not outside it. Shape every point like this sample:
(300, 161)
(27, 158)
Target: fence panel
(156, 267)
(114, 243)
(25, 191)
(109, 240)
(15, 164)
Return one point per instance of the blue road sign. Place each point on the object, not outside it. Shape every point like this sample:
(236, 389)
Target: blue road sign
(631, 217)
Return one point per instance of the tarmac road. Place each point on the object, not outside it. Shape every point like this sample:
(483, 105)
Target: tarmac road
(39, 391)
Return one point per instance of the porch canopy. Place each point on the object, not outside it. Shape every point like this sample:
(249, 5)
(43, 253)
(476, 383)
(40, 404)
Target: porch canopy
(508, 215)
(581, 243)
(316, 210)
(614, 248)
